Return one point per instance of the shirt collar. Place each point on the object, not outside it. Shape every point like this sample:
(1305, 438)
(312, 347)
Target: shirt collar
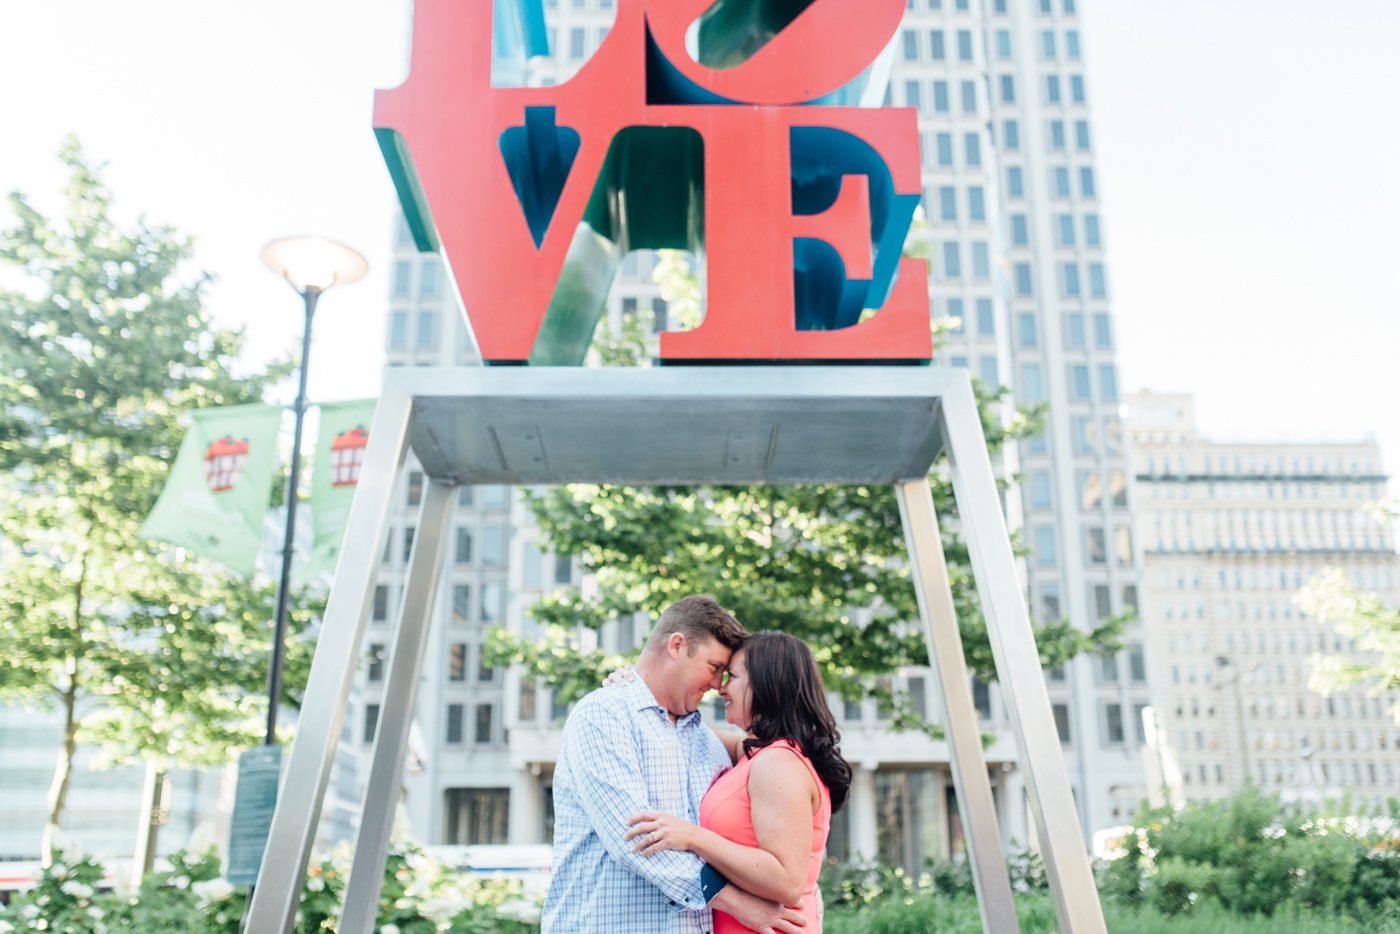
(639, 697)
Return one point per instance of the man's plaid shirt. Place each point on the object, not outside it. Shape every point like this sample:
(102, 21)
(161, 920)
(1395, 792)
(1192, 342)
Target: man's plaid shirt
(621, 754)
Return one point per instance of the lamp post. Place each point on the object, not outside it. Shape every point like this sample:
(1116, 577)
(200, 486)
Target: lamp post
(311, 265)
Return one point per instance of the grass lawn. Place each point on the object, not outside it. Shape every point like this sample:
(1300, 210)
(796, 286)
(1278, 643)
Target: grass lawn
(959, 915)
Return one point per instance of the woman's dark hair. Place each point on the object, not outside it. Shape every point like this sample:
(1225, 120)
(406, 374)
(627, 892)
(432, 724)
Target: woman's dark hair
(788, 702)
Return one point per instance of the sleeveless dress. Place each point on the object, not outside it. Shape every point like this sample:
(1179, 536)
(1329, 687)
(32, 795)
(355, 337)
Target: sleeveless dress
(727, 811)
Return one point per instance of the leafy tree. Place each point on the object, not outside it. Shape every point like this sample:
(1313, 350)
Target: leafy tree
(826, 563)
(102, 347)
(1373, 628)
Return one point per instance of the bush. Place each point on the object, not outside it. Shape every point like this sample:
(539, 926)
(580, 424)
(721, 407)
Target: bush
(419, 897)
(1254, 857)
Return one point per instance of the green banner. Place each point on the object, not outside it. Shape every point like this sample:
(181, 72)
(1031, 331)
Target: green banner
(217, 493)
(340, 450)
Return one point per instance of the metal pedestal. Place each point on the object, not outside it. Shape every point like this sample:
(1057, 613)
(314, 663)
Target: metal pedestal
(680, 425)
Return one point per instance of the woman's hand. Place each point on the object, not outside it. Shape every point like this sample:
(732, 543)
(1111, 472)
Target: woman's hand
(624, 675)
(655, 831)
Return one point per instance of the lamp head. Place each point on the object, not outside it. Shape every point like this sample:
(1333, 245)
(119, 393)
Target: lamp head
(313, 262)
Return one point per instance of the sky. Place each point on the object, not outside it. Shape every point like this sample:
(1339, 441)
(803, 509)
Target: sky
(1246, 151)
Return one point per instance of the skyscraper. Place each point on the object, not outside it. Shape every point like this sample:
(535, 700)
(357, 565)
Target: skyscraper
(1230, 532)
(1017, 271)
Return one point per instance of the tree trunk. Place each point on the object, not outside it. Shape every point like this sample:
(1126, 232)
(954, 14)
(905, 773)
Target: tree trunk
(58, 791)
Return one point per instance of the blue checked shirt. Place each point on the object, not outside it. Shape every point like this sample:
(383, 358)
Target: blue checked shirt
(621, 754)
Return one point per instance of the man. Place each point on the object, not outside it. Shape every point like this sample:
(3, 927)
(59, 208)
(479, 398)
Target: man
(639, 747)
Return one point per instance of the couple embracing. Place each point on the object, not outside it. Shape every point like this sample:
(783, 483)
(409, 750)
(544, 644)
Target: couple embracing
(661, 824)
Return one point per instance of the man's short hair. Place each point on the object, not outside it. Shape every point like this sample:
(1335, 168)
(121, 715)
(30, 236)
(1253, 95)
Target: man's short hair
(699, 617)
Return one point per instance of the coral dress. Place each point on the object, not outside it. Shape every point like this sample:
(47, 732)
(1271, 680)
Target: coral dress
(727, 811)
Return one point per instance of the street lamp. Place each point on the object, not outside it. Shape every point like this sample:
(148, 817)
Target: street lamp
(312, 265)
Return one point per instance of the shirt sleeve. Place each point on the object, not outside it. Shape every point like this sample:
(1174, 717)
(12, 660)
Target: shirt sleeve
(611, 786)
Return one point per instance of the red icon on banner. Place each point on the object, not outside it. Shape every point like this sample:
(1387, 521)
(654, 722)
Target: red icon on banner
(747, 151)
(348, 456)
(223, 462)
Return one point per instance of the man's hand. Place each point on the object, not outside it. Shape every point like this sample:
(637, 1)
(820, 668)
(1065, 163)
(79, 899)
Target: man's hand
(761, 915)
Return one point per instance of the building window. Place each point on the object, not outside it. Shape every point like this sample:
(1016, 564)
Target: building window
(1022, 273)
(1066, 229)
(947, 203)
(1020, 235)
(911, 94)
(461, 604)
(1031, 388)
(1091, 230)
(1015, 187)
(403, 274)
(1052, 89)
(1074, 331)
(1045, 555)
(576, 43)
(1076, 88)
(457, 662)
(491, 608)
(427, 277)
(1086, 183)
(371, 721)
(988, 372)
(1072, 43)
(943, 142)
(911, 45)
(375, 673)
(485, 721)
(527, 699)
(1061, 179)
(1097, 287)
(1057, 134)
(1108, 383)
(1137, 664)
(976, 203)
(1123, 545)
(380, 610)
(1026, 330)
(426, 333)
(415, 487)
(964, 45)
(1114, 722)
(454, 723)
(464, 546)
(936, 49)
(407, 543)
(1047, 43)
(491, 550)
(1079, 382)
(1011, 135)
(968, 90)
(972, 149)
(1097, 546)
(477, 816)
(1069, 279)
(563, 569)
(1003, 43)
(1061, 712)
(398, 330)
(1008, 89)
(981, 260)
(1040, 491)
(660, 314)
(952, 260)
(1081, 134)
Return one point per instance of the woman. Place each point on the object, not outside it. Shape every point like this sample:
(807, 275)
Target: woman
(764, 823)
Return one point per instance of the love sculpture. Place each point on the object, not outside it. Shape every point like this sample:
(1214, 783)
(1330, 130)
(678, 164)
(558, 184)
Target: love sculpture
(752, 152)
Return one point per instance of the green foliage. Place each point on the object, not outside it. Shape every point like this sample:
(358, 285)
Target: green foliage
(1373, 628)
(104, 344)
(419, 897)
(1252, 856)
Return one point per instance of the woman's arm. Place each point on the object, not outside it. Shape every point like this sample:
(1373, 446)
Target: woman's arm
(782, 792)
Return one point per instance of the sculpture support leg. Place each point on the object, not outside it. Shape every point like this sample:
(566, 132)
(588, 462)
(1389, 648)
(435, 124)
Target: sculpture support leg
(278, 892)
(396, 713)
(949, 667)
(1018, 666)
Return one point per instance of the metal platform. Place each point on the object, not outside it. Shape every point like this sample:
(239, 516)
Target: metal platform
(679, 425)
